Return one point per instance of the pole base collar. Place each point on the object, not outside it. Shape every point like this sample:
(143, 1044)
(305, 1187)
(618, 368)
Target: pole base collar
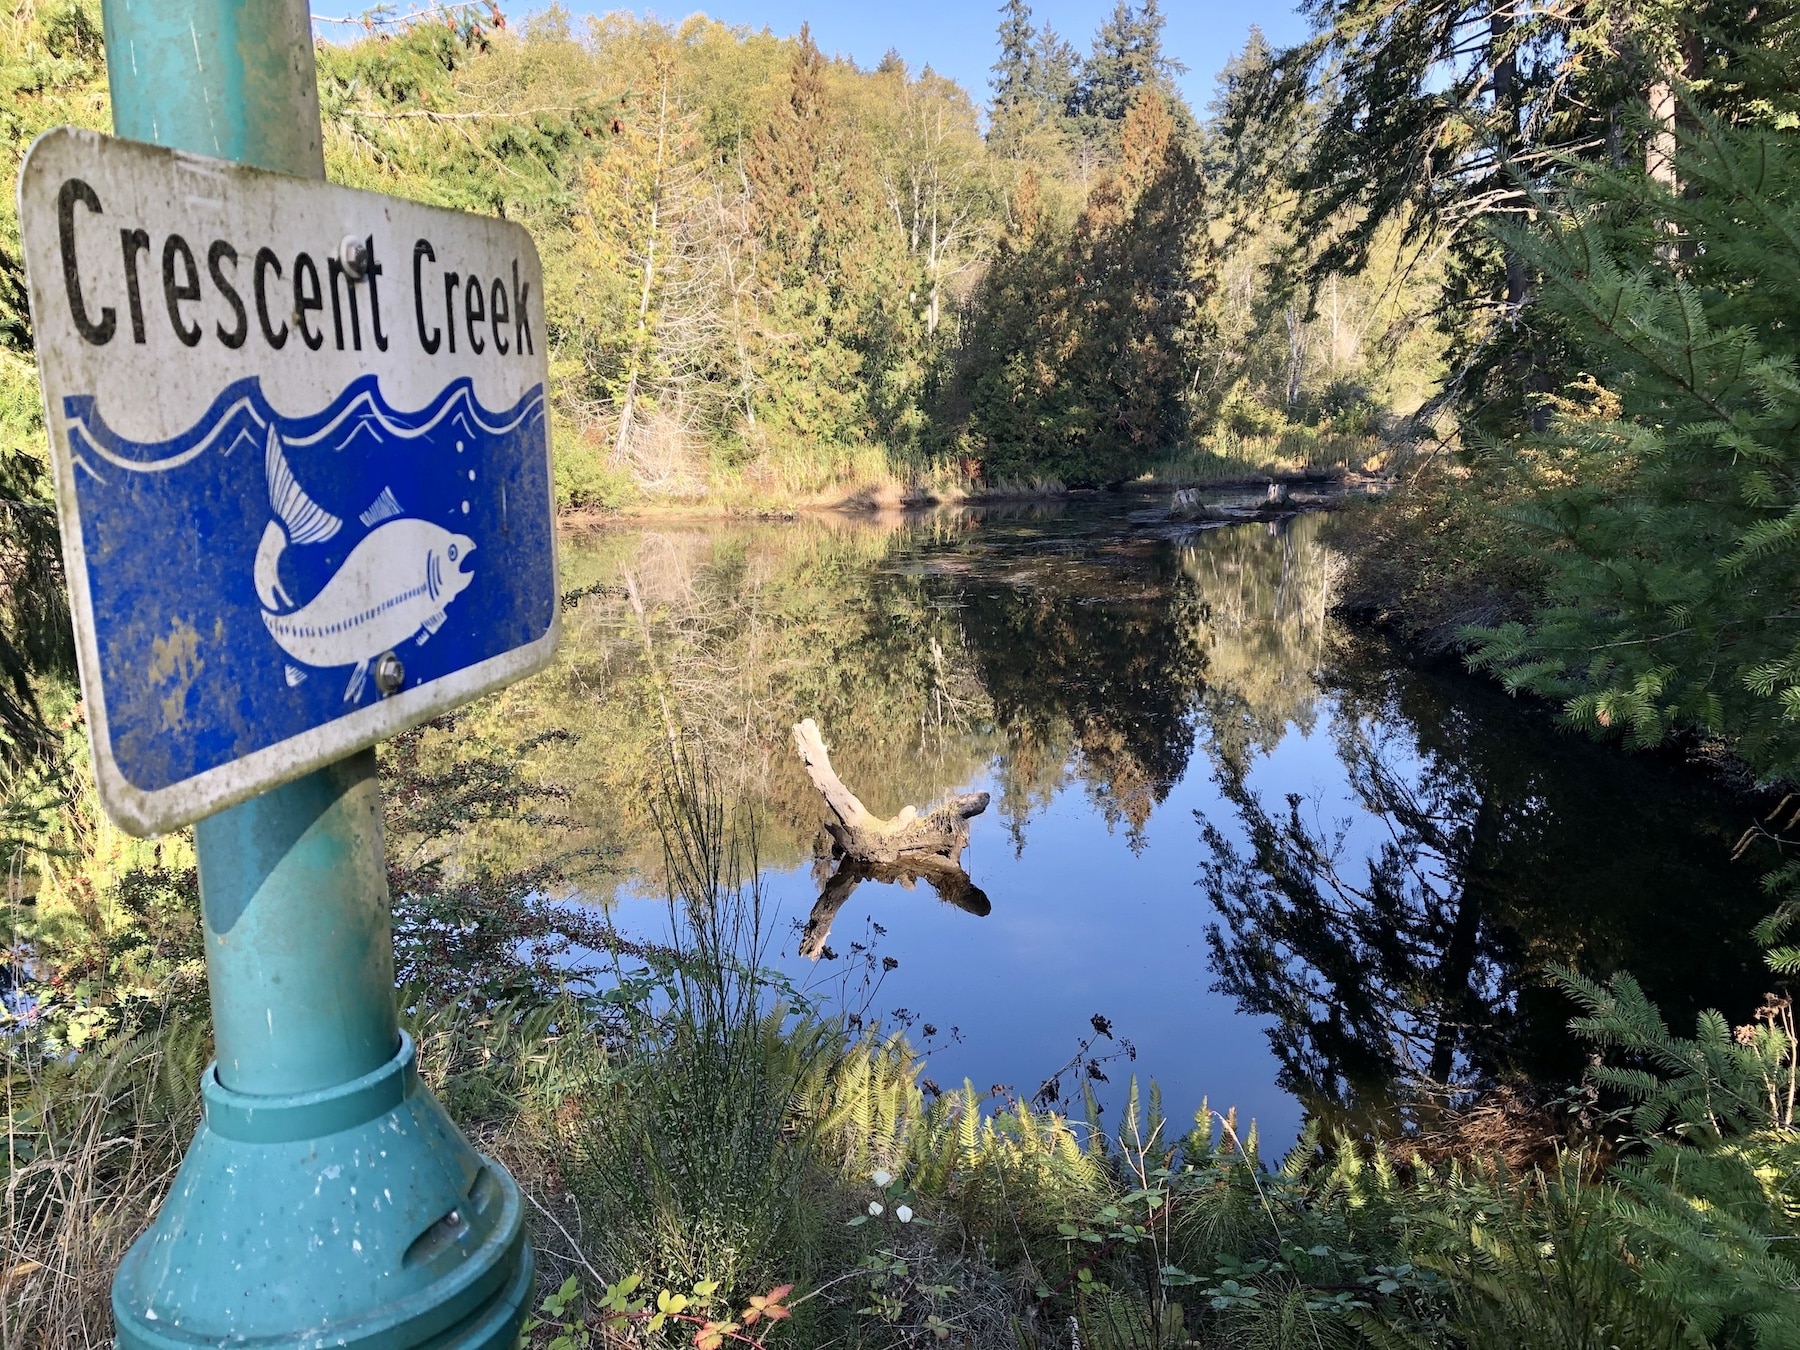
(357, 1218)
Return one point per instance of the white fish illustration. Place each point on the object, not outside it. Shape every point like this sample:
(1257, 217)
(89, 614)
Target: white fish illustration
(395, 584)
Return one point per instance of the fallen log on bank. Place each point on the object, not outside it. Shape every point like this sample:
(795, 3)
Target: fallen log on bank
(941, 831)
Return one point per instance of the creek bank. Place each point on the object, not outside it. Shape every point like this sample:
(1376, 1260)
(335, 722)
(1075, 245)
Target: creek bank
(1388, 584)
(1309, 489)
(1389, 590)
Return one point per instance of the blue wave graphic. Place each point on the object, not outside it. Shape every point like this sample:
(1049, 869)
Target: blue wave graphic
(192, 675)
(242, 411)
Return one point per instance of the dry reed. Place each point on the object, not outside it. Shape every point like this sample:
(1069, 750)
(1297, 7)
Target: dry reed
(91, 1148)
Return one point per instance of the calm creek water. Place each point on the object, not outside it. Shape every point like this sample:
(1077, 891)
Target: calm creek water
(1292, 870)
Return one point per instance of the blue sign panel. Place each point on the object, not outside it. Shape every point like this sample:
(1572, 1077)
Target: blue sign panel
(302, 463)
(245, 576)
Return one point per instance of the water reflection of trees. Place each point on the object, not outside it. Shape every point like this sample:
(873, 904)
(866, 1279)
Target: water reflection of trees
(1378, 964)
(1088, 656)
(1410, 958)
(1067, 649)
(741, 631)
(1265, 592)
(1097, 651)
(1050, 648)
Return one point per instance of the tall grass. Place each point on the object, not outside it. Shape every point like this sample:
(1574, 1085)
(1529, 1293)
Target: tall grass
(692, 1166)
(92, 1144)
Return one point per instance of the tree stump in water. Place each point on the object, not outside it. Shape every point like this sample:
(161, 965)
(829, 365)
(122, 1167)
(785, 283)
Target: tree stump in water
(942, 831)
(912, 845)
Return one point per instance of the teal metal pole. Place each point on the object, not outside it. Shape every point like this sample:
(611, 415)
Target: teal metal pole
(327, 1200)
(233, 79)
(299, 945)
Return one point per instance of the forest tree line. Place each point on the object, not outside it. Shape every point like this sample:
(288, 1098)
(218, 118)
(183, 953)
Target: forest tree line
(775, 275)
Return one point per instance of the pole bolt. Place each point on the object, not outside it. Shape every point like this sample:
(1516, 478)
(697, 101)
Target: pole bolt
(390, 674)
(353, 253)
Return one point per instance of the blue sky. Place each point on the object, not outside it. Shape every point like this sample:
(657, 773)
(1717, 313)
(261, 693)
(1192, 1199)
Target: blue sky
(956, 37)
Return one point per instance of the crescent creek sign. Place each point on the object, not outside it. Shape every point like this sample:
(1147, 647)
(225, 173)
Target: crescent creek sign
(302, 463)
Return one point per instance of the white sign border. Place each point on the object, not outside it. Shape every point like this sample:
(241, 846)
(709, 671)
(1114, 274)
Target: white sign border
(156, 811)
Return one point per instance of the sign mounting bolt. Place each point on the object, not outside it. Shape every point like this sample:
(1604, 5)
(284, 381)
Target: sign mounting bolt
(354, 254)
(390, 674)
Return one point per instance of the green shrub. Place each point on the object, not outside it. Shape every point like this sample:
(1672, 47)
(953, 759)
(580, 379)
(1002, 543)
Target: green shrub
(1245, 417)
(587, 480)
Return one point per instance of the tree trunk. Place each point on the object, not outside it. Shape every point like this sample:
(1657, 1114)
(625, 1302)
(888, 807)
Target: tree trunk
(1506, 100)
(1296, 354)
(641, 338)
(1335, 339)
(745, 378)
(1659, 156)
(1534, 379)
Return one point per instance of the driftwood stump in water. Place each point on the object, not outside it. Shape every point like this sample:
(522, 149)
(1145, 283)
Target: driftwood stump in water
(914, 844)
(942, 830)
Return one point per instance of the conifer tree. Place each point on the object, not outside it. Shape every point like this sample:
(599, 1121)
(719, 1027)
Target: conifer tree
(1055, 72)
(1035, 83)
(1015, 108)
(1082, 345)
(1665, 494)
(1127, 56)
(812, 210)
(788, 170)
(1434, 117)
(1012, 71)
(629, 241)
(1144, 232)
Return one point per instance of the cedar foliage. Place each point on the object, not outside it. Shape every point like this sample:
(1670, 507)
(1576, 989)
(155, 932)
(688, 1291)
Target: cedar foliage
(1082, 341)
(810, 208)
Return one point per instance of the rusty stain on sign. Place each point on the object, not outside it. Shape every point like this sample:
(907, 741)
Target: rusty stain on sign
(175, 664)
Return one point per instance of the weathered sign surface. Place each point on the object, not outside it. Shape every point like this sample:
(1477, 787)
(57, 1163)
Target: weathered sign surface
(302, 463)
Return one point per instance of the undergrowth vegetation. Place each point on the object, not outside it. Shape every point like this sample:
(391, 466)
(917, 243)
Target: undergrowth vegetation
(701, 1141)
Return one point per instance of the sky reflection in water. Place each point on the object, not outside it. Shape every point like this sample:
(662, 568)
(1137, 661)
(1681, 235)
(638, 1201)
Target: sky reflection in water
(1119, 683)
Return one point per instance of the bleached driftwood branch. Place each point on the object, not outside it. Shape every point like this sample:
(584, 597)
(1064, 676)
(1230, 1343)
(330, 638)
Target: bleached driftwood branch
(947, 878)
(942, 830)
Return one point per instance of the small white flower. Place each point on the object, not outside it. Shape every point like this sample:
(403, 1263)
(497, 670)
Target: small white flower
(874, 1207)
(904, 1213)
(881, 1178)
